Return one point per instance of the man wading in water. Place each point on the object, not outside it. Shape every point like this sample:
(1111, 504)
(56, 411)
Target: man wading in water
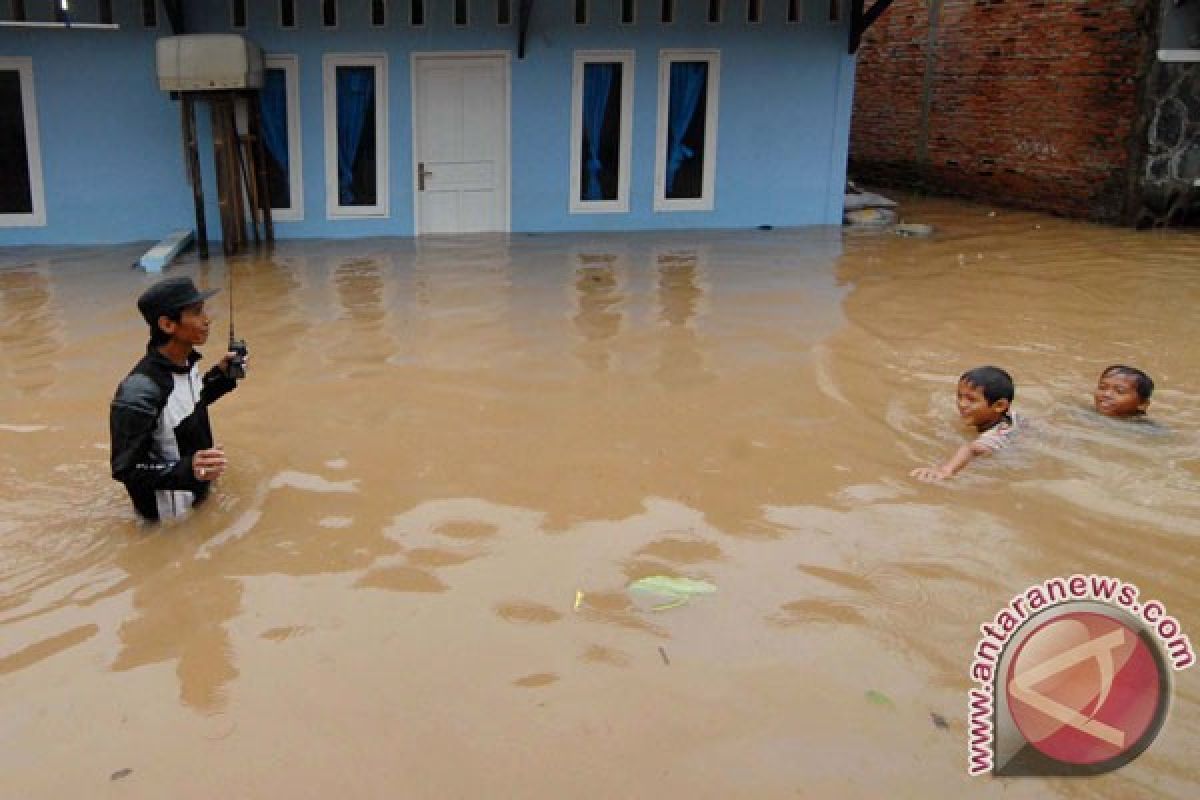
(162, 445)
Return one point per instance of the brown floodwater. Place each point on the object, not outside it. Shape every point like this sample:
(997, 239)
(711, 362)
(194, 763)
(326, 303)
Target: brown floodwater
(453, 456)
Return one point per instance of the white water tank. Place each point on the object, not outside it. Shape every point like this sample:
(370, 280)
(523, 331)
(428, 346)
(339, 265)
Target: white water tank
(208, 61)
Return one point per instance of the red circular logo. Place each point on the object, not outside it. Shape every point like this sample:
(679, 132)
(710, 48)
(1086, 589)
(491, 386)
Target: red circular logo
(1085, 688)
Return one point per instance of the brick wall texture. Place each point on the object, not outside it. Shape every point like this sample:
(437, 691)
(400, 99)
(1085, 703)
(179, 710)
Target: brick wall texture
(1017, 102)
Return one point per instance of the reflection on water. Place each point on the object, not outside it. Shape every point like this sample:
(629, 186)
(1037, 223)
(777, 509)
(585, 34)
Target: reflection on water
(599, 298)
(29, 328)
(680, 295)
(452, 457)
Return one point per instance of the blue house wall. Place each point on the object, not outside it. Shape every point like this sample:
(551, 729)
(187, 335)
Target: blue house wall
(111, 145)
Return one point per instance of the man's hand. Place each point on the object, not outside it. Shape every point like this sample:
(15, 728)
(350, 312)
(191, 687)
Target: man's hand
(229, 357)
(208, 465)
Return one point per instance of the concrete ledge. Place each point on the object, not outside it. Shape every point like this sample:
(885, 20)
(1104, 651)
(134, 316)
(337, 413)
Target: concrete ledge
(163, 253)
(91, 26)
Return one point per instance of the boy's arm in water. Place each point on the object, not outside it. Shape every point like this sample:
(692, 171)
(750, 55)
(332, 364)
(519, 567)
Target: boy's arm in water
(962, 456)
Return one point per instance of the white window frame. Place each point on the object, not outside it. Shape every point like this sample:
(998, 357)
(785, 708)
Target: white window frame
(290, 65)
(706, 200)
(329, 64)
(245, 14)
(295, 16)
(337, 14)
(386, 15)
(621, 204)
(36, 217)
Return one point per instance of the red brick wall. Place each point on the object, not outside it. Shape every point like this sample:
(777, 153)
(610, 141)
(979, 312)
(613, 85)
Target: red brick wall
(1031, 103)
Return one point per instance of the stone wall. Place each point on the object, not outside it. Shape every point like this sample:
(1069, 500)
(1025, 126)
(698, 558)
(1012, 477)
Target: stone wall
(1169, 194)
(1028, 103)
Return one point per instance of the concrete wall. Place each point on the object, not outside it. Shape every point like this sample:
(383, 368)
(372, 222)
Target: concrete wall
(1026, 103)
(110, 140)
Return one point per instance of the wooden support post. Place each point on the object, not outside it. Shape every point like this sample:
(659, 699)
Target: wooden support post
(260, 162)
(191, 159)
(235, 169)
(245, 165)
(221, 157)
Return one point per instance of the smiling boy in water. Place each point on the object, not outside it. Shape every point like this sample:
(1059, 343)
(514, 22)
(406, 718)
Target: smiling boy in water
(984, 399)
(1123, 392)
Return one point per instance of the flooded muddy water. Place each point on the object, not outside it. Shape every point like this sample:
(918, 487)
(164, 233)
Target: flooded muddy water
(453, 456)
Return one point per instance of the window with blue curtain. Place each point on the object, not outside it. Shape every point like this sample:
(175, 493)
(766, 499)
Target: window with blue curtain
(356, 136)
(601, 151)
(273, 101)
(685, 129)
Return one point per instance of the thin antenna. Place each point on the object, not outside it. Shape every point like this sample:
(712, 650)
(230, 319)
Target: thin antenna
(229, 280)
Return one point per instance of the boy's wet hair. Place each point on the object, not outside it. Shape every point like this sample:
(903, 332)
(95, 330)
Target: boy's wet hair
(995, 383)
(1145, 386)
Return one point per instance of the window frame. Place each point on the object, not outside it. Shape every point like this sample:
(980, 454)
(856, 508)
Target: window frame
(754, 7)
(620, 205)
(36, 216)
(466, 21)
(337, 14)
(371, 16)
(329, 64)
(707, 199)
(142, 15)
(633, 13)
(295, 16)
(233, 15)
(290, 64)
(720, 13)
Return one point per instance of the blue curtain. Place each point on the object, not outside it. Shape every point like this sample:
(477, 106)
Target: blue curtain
(273, 100)
(688, 81)
(355, 91)
(597, 83)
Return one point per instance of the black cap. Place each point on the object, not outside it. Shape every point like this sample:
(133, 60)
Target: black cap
(170, 295)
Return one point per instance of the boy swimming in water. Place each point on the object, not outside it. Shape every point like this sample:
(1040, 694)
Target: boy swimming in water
(984, 399)
(1123, 392)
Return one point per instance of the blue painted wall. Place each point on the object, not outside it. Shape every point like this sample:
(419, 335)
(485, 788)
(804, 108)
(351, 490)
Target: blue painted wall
(112, 156)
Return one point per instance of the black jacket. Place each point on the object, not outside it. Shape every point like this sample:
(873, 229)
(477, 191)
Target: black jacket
(157, 421)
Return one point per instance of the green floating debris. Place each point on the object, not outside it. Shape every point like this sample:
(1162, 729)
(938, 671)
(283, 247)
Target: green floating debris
(879, 699)
(676, 590)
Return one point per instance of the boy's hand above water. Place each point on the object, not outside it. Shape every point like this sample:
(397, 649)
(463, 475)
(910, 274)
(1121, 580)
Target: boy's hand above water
(929, 474)
(948, 470)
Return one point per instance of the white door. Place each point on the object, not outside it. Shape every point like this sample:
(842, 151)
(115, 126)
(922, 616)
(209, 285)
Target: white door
(460, 143)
